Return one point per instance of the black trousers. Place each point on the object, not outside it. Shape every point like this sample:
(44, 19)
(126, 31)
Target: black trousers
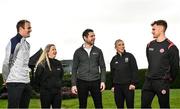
(50, 98)
(19, 95)
(155, 87)
(84, 87)
(121, 94)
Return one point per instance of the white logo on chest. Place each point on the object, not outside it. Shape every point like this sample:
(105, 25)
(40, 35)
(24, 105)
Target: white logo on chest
(151, 49)
(126, 60)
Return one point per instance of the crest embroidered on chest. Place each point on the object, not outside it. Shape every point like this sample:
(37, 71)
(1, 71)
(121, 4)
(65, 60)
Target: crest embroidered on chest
(126, 59)
(161, 50)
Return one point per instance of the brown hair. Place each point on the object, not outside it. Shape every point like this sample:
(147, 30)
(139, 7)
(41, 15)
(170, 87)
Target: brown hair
(21, 23)
(160, 22)
(117, 41)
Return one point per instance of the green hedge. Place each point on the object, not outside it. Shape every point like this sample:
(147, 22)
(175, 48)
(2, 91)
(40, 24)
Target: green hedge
(67, 80)
(176, 83)
(141, 74)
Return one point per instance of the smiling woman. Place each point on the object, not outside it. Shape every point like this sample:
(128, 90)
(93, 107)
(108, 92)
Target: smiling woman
(48, 78)
(124, 73)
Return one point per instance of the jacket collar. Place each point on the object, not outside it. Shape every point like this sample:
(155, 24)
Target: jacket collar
(82, 47)
(19, 37)
(122, 54)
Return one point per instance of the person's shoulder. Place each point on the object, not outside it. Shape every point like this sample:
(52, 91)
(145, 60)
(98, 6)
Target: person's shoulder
(57, 60)
(151, 42)
(96, 48)
(129, 54)
(114, 57)
(14, 39)
(171, 44)
(78, 50)
(59, 63)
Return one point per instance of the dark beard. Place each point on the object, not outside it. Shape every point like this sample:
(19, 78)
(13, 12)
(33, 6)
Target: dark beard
(90, 43)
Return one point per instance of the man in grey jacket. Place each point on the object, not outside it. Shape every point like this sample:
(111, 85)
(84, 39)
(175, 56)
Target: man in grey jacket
(87, 61)
(15, 67)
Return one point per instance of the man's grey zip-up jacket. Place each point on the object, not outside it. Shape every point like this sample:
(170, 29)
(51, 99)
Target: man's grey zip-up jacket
(15, 67)
(88, 68)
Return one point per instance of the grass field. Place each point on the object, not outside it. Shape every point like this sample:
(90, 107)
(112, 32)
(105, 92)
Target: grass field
(108, 101)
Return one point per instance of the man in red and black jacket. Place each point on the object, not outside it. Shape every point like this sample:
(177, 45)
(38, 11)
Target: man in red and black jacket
(163, 60)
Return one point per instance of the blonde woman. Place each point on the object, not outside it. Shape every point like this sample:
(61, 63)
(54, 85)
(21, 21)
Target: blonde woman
(124, 75)
(48, 77)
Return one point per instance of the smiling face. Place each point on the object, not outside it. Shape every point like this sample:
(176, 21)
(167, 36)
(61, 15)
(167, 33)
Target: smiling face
(90, 38)
(52, 52)
(25, 30)
(119, 46)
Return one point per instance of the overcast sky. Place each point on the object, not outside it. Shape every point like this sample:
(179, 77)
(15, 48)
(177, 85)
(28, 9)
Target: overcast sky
(62, 22)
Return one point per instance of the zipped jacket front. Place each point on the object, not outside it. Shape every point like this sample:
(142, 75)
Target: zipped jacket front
(88, 68)
(124, 69)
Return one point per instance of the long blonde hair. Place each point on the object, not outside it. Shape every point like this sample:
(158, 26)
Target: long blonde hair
(44, 57)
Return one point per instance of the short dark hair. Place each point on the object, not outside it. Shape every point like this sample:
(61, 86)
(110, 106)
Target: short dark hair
(86, 32)
(160, 22)
(21, 23)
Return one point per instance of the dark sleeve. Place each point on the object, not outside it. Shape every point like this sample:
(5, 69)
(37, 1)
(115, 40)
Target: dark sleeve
(134, 70)
(62, 72)
(112, 72)
(174, 61)
(74, 68)
(147, 53)
(102, 67)
(38, 72)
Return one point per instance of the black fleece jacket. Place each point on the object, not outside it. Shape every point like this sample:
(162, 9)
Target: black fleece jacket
(163, 59)
(49, 80)
(124, 69)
